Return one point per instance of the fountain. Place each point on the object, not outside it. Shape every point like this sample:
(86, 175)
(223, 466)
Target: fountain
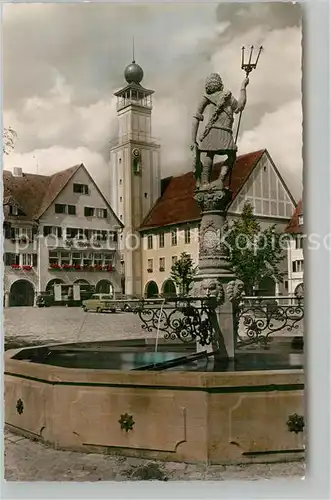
(194, 395)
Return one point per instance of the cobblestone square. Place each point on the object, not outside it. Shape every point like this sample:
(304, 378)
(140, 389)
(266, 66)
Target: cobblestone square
(27, 460)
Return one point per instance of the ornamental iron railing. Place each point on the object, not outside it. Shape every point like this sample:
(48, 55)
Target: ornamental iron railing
(184, 318)
(259, 319)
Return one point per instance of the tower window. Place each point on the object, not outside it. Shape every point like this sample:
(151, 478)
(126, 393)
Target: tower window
(120, 160)
(121, 198)
(120, 182)
(146, 195)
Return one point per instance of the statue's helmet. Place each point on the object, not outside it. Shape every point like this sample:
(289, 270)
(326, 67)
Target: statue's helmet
(213, 83)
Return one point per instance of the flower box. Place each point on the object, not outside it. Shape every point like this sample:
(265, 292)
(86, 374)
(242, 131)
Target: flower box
(149, 270)
(162, 269)
(27, 268)
(55, 267)
(15, 266)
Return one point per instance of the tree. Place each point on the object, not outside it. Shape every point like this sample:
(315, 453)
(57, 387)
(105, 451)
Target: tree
(183, 272)
(9, 137)
(254, 254)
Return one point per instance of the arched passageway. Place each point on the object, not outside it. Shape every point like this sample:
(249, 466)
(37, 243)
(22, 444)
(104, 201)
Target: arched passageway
(51, 283)
(81, 282)
(21, 293)
(169, 288)
(104, 286)
(151, 290)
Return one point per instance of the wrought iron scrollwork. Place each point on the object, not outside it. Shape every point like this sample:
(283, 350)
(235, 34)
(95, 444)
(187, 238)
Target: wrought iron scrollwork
(187, 319)
(259, 320)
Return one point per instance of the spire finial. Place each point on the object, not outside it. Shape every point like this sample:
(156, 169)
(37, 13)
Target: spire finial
(133, 59)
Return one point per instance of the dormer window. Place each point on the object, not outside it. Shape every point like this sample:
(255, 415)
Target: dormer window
(13, 210)
(300, 220)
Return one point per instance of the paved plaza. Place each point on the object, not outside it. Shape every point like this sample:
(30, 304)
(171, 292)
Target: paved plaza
(27, 460)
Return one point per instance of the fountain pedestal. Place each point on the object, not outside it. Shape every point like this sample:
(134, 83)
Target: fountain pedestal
(214, 267)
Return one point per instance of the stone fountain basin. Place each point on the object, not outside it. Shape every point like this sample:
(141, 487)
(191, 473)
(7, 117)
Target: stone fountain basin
(175, 415)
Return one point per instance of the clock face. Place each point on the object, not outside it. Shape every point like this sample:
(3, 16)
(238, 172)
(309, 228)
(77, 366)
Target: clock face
(136, 153)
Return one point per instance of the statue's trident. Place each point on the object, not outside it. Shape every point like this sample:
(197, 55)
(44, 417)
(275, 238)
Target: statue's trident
(248, 68)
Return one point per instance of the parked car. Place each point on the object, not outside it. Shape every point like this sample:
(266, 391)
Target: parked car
(128, 303)
(45, 299)
(100, 302)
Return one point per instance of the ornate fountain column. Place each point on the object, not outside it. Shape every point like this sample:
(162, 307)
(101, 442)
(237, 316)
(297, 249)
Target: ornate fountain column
(214, 268)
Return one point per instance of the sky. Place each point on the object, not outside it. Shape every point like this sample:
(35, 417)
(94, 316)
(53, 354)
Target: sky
(63, 62)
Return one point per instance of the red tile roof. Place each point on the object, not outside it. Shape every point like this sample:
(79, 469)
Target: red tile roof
(293, 226)
(34, 193)
(177, 204)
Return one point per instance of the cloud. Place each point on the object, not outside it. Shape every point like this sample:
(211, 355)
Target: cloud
(281, 133)
(63, 62)
(55, 158)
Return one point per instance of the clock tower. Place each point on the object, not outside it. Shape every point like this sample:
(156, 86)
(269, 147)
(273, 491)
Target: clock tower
(135, 171)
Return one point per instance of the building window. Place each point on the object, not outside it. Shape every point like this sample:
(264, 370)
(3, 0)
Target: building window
(76, 258)
(120, 182)
(297, 266)
(26, 259)
(55, 231)
(286, 284)
(11, 259)
(162, 264)
(65, 258)
(161, 240)
(71, 209)
(150, 265)
(150, 242)
(108, 259)
(174, 259)
(101, 213)
(98, 260)
(121, 198)
(88, 211)
(146, 195)
(187, 236)
(299, 242)
(174, 237)
(81, 188)
(300, 220)
(53, 258)
(60, 209)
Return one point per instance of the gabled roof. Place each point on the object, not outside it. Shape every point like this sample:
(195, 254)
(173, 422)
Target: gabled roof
(57, 183)
(293, 226)
(177, 204)
(35, 193)
(28, 191)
